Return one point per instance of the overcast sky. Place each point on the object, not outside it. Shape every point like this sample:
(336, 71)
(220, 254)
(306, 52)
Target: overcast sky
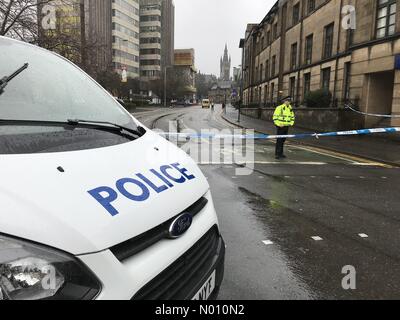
(206, 25)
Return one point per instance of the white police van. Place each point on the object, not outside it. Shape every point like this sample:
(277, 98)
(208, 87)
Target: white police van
(94, 205)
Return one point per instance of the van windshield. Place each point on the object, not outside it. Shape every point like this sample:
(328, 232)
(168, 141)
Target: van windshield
(51, 89)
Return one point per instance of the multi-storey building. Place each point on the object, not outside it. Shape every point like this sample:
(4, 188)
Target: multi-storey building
(125, 36)
(99, 35)
(351, 48)
(184, 67)
(156, 37)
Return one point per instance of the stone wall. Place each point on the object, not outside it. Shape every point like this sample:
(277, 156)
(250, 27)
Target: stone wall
(321, 120)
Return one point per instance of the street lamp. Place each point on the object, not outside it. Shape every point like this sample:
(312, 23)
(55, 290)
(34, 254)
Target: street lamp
(165, 84)
(241, 46)
(120, 49)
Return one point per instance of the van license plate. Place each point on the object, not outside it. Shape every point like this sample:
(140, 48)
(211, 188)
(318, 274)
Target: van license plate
(206, 290)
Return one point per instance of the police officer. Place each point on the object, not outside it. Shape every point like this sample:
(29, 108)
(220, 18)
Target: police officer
(283, 119)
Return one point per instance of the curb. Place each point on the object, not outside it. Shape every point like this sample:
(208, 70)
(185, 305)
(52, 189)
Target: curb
(392, 164)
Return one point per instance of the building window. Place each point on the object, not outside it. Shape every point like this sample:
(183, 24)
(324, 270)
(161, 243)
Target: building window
(272, 92)
(296, 13)
(292, 87)
(273, 67)
(261, 72)
(311, 6)
(328, 41)
(265, 94)
(293, 57)
(347, 77)
(307, 83)
(275, 31)
(267, 70)
(386, 18)
(268, 38)
(262, 43)
(326, 78)
(308, 49)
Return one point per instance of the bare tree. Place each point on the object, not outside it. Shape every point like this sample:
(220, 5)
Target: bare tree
(19, 18)
(57, 25)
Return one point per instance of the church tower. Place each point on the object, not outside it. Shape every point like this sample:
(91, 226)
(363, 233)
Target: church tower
(225, 64)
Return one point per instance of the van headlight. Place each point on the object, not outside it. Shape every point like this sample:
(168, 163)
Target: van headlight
(31, 272)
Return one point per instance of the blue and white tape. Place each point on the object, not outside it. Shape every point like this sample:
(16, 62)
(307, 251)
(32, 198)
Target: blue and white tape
(271, 137)
(372, 114)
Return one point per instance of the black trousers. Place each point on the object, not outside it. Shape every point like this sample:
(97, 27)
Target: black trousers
(280, 142)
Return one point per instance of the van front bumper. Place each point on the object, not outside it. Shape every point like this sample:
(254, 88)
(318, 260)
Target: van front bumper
(168, 270)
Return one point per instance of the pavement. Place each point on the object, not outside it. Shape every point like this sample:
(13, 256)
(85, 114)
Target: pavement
(292, 227)
(373, 147)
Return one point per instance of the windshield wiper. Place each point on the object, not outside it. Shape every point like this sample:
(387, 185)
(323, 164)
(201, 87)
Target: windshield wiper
(99, 125)
(139, 132)
(5, 80)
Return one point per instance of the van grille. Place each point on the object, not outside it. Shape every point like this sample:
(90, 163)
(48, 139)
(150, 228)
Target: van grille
(179, 279)
(135, 245)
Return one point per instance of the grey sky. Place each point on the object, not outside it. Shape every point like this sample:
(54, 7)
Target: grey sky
(206, 25)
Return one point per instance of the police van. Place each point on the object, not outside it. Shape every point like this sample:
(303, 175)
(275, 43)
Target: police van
(94, 205)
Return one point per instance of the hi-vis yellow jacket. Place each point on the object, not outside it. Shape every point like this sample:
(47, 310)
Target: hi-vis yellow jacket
(284, 116)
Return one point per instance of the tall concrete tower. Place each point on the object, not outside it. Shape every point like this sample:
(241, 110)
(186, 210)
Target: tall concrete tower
(225, 65)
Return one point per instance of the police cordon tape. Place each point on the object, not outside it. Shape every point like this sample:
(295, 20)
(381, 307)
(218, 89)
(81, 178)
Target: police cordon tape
(372, 114)
(271, 137)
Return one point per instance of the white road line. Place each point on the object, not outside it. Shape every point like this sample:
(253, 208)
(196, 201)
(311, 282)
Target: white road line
(322, 153)
(316, 238)
(363, 235)
(267, 242)
(304, 163)
(367, 164)
(269, 162)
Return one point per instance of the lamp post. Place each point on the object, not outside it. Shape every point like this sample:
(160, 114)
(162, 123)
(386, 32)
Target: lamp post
(165, 85)
(241, 46)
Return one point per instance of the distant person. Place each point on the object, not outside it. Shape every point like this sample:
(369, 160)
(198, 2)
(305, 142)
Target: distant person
(284, 118)
(224, 107)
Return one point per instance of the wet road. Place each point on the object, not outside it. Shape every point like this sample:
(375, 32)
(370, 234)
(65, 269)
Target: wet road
(291, 226)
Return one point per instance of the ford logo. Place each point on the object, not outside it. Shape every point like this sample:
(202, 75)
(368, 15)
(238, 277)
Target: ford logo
(180, 225)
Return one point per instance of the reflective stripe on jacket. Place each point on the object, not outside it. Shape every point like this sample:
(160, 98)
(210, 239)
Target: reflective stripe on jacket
(284, 116)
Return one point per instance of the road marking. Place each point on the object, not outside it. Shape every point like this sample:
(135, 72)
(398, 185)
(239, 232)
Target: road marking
(267, 242)
(316, 238)
(363, 235)
(352, 159)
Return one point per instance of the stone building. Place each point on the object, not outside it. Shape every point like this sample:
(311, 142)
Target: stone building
(221, 92)
(351, 48)
(225, 66)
